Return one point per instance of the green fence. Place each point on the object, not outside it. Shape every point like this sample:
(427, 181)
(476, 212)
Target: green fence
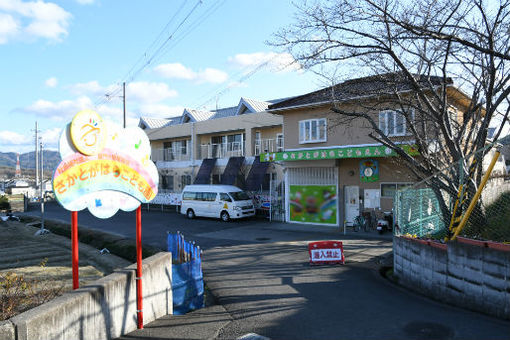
(417, 213)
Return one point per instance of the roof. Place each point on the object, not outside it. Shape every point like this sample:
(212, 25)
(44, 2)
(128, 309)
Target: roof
(196, 115)
(376, 85)
(245, 106)
(153, 123)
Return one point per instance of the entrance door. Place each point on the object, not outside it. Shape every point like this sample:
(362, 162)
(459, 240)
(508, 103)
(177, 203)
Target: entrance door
(351, 203)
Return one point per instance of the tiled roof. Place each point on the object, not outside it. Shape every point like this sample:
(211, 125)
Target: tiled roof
(252, 105)
(225, 112)
(388, 83)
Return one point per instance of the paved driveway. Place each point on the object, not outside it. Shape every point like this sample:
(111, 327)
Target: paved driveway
(260, 274)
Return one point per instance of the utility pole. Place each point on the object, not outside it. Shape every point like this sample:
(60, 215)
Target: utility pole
(36, 157)
(42, 231)
(124, 101)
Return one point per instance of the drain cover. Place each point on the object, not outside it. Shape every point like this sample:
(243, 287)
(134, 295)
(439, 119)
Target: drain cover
(428, 330)
(262, 239)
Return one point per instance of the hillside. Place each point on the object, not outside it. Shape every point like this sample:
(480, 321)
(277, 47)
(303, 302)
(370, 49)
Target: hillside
(27, 160)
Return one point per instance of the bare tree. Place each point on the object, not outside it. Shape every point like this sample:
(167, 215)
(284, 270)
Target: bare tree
(421, 49)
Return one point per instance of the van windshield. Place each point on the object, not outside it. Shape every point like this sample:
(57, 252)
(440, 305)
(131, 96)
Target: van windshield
(239, 196)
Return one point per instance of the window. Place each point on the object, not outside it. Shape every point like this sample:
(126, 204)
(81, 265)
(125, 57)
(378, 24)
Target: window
(239, 196)
(225, 197)
(312, 130)
(388, 190)
(167, 182)
(279, 142)
(393, 123)
(185, 180)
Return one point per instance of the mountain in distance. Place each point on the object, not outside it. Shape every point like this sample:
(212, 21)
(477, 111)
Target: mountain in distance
(51, 159)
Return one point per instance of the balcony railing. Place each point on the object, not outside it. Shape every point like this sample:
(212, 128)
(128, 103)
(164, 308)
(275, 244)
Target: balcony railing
(169, 155)
(268, 145)
(225, 150)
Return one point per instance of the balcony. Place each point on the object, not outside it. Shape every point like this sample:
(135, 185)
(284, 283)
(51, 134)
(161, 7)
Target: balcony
(170, 155)
(268, 145)
(224, 150)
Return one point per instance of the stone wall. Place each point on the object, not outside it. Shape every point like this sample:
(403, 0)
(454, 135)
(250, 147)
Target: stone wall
(466, 273)
(105, 309)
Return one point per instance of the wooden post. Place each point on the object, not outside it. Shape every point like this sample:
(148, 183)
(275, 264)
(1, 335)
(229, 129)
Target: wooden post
(139, 296)
(74, 249)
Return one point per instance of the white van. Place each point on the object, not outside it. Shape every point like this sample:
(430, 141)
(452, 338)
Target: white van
(220, 201)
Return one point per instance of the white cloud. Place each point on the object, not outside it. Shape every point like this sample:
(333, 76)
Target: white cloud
(51, 82)
(175, 71)
(146, 92)
(211, 75)
(58, 111)
(179, 71)
(13, 138)
(276, 62)
(38, 19)
(8, 27)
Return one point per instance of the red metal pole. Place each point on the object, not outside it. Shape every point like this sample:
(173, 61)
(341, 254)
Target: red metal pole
(139, 296)
(74, 249)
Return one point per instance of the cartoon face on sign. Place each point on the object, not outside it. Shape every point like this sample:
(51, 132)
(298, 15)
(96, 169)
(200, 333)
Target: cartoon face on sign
(88, 132)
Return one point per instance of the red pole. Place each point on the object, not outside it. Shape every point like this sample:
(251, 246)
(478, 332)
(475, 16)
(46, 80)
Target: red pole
(74, 249)
(139, 296)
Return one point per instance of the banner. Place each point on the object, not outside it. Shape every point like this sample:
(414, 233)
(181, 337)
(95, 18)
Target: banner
(313, 204)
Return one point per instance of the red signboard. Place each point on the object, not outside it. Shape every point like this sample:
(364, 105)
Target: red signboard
(326, 252)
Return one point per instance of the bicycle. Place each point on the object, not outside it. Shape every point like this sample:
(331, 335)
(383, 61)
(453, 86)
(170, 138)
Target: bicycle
(359, 222)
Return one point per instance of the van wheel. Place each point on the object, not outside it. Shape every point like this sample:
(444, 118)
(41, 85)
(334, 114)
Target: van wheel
(225, 217)
(190, 213)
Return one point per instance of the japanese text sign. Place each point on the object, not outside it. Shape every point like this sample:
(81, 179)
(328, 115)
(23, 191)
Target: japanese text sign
(104, 167)
(326, 252)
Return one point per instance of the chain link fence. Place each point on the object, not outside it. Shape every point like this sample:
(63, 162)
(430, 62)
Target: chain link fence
(449, 203)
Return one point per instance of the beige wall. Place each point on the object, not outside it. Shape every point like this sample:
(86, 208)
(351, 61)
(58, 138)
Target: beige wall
(202, 131)
(390, 171)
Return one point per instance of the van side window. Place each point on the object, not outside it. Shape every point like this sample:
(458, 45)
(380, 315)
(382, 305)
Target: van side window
(188, 195)
(225, 197)
(210, 196)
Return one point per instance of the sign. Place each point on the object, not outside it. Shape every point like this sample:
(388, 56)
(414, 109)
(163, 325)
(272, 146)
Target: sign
(104, 167)
(368, 171)
(336, 153)
(313, 204)
(326, 252)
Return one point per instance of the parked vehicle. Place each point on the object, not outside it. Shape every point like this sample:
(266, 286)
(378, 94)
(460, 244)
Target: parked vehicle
(219, 201)
(385, 223)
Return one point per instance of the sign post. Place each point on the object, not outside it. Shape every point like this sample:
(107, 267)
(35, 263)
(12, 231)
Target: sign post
(74, 249)
(139, 294)
(104, 168)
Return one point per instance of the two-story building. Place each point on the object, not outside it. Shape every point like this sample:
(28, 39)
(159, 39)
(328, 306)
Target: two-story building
(333, 169)
(216, 147)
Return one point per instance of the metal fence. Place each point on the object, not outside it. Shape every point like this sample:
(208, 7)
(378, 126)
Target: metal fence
(474, 204)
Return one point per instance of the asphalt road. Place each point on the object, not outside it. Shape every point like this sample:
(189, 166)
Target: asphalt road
(260, 274)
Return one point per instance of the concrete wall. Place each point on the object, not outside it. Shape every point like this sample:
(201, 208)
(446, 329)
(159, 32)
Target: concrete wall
(105, 309)
(466, 273)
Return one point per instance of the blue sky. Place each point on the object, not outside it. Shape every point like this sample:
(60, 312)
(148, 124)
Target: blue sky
(62, 56)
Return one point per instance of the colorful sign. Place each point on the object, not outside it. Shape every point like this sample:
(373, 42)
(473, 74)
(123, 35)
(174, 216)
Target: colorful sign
(313, 204)
(326, 252)
(104, 167)
(369, 171)
(336, 153)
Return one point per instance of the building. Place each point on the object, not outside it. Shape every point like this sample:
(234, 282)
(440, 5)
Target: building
(334, 170)
(219, 147)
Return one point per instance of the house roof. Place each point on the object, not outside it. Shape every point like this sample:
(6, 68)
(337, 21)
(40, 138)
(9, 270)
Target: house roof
(376, 85)
(153, 123)
(196, 115)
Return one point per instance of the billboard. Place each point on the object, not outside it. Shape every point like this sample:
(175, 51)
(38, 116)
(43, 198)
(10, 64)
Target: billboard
(313, 204)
